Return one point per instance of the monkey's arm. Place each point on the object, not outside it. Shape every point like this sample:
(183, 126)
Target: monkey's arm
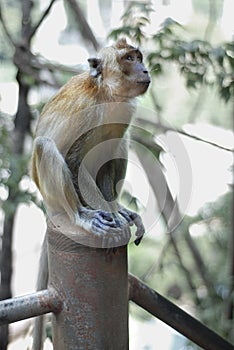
(53, 178)
(110, 180)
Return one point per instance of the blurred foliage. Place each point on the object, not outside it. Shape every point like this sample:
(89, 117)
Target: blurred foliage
(198, 61)
(134, 20)
(210, 230)
(203, 7)
(13, 170)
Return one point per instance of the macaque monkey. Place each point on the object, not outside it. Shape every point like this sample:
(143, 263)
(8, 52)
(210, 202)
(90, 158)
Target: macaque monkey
(81, 147)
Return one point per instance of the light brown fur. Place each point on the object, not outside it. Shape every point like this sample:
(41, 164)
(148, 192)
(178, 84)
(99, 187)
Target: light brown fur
(82, 105)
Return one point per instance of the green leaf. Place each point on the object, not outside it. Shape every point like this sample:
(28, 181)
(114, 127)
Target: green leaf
(156, 69)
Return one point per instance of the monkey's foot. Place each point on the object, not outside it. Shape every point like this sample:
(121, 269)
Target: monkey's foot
(134, 218)
(108, 227)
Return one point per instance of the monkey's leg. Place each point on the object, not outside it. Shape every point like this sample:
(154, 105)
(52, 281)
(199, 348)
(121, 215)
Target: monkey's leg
(99, 216)
(53, 178)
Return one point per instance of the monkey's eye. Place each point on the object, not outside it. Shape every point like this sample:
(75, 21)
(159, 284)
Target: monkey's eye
(139, 59)
(129, 58)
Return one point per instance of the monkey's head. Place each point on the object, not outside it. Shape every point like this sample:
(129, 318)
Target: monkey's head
(120, 69)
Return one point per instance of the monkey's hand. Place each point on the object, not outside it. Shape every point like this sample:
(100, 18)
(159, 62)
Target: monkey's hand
(134, 218)
(106, 225)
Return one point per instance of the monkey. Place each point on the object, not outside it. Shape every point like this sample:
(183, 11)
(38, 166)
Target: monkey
(80, 149)
(93, 109)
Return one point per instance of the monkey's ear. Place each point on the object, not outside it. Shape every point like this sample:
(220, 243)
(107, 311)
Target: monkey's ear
(95, 65)
(121, 44)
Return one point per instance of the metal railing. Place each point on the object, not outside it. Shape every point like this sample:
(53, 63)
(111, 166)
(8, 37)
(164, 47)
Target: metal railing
(88, 296)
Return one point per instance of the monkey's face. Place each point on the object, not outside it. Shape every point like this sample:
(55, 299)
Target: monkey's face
(121, 70)
(135, 77)
(127, 76)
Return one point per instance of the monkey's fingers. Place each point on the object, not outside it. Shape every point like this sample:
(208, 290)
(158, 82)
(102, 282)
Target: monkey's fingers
(105, 218)
(127, 214)
(140, 227)
(112, 230)
(117, 239)
(140, 230)
(138, 240)
(133, 217)
(100, 228)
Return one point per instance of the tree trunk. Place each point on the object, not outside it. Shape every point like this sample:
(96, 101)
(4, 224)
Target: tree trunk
(6, 272)
(22, 122)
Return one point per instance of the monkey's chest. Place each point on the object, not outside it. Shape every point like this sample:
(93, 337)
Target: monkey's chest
(96, 147)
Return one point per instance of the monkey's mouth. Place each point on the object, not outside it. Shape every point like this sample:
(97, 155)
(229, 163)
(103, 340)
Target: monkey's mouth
(146, 82)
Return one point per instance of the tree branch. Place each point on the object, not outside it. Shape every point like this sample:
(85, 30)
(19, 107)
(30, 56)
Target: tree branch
(26, 22)
(42, 63)
(229, 302)
(201, 97)
(44, 15)
(200, 265)
(165, 128)
(169, 209)
(86, 31)
(157, 264)
(156, 104)
(187, 272)
(211, 20)
(6, 31)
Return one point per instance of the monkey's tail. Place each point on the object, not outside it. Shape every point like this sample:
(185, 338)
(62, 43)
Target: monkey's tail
(42, 282)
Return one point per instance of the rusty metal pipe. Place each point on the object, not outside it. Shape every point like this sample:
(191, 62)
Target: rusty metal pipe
(20, 308)
(172, 315)
(93, 284)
